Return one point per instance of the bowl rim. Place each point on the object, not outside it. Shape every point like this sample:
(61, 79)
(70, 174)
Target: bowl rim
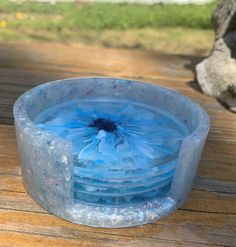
(21, 117)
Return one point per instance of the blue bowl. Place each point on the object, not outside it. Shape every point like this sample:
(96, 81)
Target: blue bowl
(144, 177)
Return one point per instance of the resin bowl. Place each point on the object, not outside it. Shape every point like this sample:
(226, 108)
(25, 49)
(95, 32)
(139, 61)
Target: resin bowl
(129, 156)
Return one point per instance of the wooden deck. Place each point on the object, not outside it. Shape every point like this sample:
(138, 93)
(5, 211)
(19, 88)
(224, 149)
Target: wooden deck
(207, 218)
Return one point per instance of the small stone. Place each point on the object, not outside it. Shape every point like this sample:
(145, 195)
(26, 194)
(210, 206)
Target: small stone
(64, 160)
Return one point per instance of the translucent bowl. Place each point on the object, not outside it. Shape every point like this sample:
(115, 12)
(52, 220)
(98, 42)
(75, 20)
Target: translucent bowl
(52, 179)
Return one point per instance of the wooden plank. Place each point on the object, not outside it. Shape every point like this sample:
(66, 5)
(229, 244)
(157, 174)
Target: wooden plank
(19, 201)
(25, 239)
(177, 230)
(9, 159)
(87, 59)
(23, 66)
(11, 183)
(215, 185)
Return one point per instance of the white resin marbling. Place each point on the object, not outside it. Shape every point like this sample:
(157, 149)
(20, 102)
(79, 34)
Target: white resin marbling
(47, 160)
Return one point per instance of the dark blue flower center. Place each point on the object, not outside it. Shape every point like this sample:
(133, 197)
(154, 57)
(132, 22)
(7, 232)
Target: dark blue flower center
(103, 124)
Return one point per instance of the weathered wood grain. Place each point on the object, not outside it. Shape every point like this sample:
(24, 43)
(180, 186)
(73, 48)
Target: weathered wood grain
(207, 218)
(25, 65)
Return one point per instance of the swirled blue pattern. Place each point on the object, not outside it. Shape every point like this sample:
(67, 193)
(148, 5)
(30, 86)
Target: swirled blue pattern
(124, 151)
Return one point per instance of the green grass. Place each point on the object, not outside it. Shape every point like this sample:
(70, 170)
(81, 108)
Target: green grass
(101, 16)
(110, 16)
(184, 29)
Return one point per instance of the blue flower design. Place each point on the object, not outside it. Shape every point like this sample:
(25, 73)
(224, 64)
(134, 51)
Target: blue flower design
(119, 138)
(122, 152)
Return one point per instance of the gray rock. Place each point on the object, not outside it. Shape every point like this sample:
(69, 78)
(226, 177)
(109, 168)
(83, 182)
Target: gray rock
(224, 18)
(217, 74)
